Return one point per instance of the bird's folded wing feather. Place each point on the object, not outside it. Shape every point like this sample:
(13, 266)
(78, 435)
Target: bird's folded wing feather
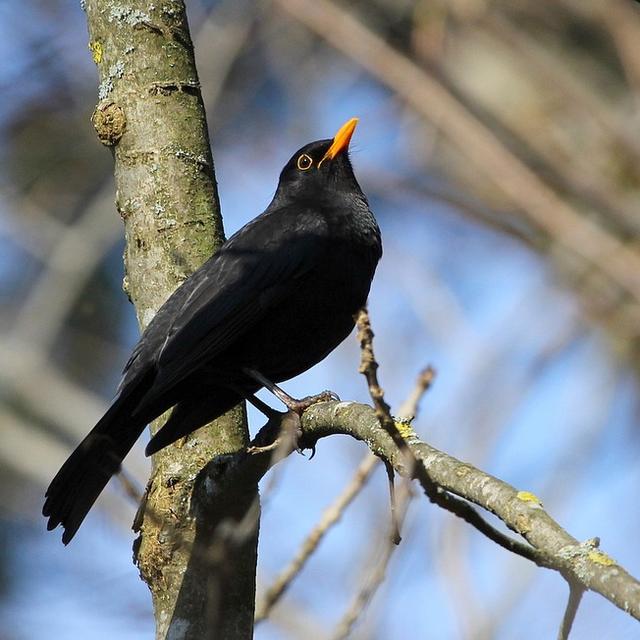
(243, 281)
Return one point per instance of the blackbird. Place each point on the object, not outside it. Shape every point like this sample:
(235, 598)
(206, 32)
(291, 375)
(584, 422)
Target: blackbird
(277, 297)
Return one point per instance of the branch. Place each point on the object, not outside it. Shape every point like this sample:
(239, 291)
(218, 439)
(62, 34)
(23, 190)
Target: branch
(412, 468)
(446, 481)
(456, 483)
(522, 512)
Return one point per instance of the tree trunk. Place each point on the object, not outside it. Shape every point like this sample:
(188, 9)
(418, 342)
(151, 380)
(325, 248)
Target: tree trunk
(150, 112)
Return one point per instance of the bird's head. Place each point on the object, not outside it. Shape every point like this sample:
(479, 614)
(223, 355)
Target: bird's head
(320, 168)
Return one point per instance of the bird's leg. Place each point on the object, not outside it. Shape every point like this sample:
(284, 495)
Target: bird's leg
(297, 406)
(262, 407)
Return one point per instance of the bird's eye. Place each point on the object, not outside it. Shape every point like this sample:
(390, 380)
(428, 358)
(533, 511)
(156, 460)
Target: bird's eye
(304, 162)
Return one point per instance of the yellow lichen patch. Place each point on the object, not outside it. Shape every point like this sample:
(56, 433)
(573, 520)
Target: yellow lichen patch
(96, 51)
(404, 429)
(527, 496)
(598, 557)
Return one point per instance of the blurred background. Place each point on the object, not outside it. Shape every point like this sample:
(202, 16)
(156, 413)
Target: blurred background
(498, 144)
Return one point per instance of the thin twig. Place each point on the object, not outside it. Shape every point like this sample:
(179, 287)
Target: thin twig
(396, 538)
(409, 408)
(364, 596)
(369, 368)
(413, 468)
(408, 411)
(576, 591)
(330, 517)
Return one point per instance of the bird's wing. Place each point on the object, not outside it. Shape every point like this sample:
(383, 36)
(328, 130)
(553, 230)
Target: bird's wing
(253, 271)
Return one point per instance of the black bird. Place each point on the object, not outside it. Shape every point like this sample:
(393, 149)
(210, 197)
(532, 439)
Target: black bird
(272, 302)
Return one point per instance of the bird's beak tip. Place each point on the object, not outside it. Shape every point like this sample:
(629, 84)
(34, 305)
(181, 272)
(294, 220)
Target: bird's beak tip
(341, 139)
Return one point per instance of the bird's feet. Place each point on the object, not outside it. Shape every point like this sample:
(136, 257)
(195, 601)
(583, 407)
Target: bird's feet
(293, 404)
(282, 433)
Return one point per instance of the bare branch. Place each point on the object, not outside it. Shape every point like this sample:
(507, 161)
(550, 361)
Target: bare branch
(369, 368)
(409, 408)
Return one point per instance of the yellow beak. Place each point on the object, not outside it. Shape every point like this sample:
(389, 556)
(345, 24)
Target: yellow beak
(341, 139)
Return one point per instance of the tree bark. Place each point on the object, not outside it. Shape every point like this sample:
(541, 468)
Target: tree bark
(150, 112)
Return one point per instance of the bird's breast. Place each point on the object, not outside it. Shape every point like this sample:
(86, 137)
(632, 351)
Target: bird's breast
(314, 316)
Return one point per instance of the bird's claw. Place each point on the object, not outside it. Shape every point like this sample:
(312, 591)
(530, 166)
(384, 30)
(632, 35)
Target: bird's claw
(294, 428)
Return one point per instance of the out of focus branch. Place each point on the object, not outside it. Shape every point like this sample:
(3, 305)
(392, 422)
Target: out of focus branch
(373, 581)
(73, 259)
(409, 408)
(549, 69)
(29, 379)
(575, 596)
(330, 517)
(430, 98)
(622, 19)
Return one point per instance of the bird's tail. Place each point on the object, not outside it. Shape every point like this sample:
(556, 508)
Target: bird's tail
(85, 474)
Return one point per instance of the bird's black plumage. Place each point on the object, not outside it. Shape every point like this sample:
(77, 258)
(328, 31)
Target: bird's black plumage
(276, 298)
